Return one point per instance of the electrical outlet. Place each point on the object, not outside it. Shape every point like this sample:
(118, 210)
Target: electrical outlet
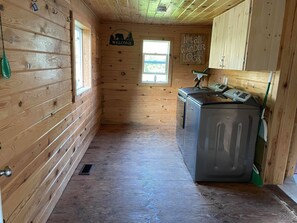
(225, 80)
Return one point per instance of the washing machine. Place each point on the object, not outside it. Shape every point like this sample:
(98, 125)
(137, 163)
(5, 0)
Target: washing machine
(220, 136)
(183, 93)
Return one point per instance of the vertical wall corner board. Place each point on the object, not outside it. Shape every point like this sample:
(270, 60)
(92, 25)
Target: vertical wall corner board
(247, 37)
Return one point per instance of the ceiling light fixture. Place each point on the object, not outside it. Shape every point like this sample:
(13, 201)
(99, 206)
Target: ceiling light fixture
(161, 8)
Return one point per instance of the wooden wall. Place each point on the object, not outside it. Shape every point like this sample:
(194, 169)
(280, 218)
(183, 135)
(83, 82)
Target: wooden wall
(282, 148)
(43, 134)
(125, 101)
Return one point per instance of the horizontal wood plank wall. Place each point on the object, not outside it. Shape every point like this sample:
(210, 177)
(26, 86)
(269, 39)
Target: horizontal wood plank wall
(43, 134)
(125, 101)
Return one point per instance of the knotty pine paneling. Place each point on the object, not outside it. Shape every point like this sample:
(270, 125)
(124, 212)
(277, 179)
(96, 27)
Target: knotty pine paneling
(125, 100)
(43, 134)
(281, 154)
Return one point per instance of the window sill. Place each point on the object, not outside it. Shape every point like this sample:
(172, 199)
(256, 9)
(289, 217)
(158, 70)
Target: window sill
(78, 93)
(155, 84)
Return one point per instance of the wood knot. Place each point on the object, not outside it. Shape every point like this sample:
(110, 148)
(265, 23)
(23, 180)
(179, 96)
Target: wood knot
(20, 104)
(120, 52)
(55, 102)
(285, 85)
(120, 60)
(123, 73)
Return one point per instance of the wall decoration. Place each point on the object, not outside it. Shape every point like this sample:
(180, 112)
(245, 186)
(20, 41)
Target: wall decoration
(121, 38)
(193, 49)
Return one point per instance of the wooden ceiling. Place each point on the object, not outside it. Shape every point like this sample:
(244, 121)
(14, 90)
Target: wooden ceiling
(186, 12)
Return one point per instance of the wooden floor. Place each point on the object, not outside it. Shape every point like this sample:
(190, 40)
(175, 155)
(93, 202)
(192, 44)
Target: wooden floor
(138, 176)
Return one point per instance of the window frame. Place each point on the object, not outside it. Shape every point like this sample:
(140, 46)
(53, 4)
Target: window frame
(169, 59)
(80, 57)
(81, 23)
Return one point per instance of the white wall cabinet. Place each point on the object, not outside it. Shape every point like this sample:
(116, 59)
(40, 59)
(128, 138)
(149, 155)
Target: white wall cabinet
(248, 36)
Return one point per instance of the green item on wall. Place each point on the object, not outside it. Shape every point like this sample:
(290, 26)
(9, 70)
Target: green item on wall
(5, 67)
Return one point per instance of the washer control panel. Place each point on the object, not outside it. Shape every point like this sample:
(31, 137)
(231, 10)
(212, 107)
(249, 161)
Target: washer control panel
(218, 87)
(237, 95)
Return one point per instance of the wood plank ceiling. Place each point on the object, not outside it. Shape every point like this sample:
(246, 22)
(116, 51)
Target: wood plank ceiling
(186, 12)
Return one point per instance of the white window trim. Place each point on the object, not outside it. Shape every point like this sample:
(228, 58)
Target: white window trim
(80, 58)
(169, 59)
(87, 57)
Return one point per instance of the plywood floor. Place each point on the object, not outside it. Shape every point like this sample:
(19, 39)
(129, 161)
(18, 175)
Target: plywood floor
(139, 177)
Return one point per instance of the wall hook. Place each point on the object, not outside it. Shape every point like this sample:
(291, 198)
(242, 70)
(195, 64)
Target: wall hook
(28, 66)
(54, 11)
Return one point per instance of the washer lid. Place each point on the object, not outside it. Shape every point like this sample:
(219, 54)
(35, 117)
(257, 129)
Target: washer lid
(208, 99)
(185, 92)
(222, 101)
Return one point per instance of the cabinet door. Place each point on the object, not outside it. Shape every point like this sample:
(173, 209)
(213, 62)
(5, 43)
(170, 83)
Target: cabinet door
(235, 49)
(265, 34)
(217, 43)
(228, 27)
(229, 38)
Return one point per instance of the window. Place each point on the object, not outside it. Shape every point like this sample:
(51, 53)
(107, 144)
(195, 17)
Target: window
(82, 57)
(155, 62)
(79, 57)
